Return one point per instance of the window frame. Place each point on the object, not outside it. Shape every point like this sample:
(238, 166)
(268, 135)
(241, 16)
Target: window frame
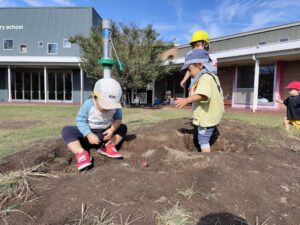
(20, 48)
(39, 44)
(262, 43)
(241, 81)
(49, 43)
(285, 39)
(64, 46)
(10, 49)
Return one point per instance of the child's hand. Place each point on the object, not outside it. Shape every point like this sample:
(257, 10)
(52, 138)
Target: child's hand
(279, 101)
(182, 84)
(180, 102)
(93, 139)
(108, 134)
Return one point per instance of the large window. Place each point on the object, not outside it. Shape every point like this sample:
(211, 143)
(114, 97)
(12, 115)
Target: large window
(52, 48)
(266, 84)
(8, 44)
(245, 77)
(29, 85)
(59, 85)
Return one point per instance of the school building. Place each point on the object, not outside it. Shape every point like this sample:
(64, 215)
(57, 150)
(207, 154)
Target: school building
(254, 67)
(39, 64)
(37, 61)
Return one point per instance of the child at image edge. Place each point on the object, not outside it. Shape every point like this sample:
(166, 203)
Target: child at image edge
(98, 124)
(207, 98)
(292, 104)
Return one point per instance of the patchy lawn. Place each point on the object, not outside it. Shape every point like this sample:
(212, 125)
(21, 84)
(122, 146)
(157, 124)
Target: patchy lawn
(23, 126)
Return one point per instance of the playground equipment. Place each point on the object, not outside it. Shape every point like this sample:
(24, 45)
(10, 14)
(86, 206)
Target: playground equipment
(107, 60)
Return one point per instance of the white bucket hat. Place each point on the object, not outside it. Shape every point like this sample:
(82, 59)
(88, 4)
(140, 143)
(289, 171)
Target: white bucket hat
(108, 92)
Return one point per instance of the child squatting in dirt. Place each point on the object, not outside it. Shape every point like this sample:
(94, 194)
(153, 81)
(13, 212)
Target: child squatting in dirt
(98, 124)
(207, 97)
(292, 104)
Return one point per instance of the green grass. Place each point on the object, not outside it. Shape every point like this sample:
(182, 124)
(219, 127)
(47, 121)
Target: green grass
(36, 112)
(273, 121)
(262, 120)
(23, 126)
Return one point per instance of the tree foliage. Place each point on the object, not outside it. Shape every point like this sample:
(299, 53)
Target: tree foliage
(139, 50)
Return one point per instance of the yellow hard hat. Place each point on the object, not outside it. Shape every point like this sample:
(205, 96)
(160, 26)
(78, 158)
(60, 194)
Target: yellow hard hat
(200, 35)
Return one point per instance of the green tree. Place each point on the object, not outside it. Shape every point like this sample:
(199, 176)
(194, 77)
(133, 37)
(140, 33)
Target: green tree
(139, 50)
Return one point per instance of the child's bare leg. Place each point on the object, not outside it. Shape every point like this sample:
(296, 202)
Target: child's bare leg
(286, 124)
(204, 136)
(206, 150)
(116, 139)
(118, 135)
(75, 147)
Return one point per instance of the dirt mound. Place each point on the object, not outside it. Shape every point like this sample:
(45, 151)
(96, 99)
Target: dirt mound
(252, 174)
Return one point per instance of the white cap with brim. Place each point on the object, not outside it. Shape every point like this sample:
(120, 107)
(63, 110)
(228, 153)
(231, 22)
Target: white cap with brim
(198, 56)
(108, 92)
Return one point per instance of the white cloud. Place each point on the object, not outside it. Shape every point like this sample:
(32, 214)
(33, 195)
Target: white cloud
(7, 3)
(229, 17)
(34, 3)
(264, 18)
(162, 27)
(229, 10)
(233, 16)
(37, 3)
(63, 2)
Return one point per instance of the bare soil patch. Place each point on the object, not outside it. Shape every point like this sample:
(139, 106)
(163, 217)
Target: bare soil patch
(17, 124)
(253, 174)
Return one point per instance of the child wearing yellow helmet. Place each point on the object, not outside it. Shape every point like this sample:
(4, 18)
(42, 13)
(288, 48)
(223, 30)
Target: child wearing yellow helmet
(199, 40)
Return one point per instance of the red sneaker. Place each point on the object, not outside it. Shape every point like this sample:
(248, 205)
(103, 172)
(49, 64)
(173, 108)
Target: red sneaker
(110, 151)
(83, 160)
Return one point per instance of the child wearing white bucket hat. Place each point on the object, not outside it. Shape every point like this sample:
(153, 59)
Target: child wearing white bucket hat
(98, 124)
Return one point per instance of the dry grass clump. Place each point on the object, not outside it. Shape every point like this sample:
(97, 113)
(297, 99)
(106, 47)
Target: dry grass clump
(106, 218)
(15, 189)
(174, 216)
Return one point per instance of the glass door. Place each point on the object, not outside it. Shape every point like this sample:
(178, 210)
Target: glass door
(42, 89)
(266, 85)
(30, 85)
(19, 85)
(13, 86)
(27, 85)
(60, 86)
(68, 86)
(35, 87)
(51, 86)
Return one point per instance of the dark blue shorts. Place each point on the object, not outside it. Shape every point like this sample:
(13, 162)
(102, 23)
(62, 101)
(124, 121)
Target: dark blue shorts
(71, 133)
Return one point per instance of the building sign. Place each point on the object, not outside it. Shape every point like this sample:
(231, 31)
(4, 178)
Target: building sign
(11, 27)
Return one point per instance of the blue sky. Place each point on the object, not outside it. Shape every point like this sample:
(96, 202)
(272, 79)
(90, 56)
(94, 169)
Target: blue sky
(176, 20)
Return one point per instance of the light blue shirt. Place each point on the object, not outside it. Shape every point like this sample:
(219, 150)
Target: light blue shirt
(89, 117)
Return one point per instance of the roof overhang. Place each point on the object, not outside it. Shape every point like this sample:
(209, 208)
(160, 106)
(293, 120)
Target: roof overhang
(247, 33)
(275, 50)
(39, 60)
